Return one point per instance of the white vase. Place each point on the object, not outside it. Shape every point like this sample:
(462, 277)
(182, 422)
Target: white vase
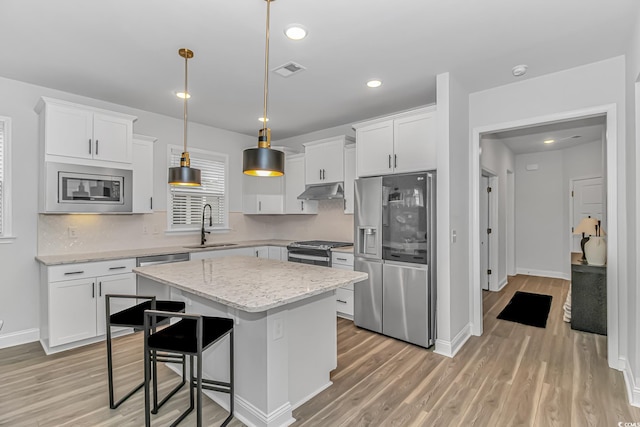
(596, 250)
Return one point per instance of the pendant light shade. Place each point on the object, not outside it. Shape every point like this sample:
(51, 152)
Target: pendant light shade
(184, 174)
(264, 161)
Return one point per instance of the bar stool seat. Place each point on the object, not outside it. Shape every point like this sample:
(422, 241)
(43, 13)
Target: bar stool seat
(133, 317)
(190, 336)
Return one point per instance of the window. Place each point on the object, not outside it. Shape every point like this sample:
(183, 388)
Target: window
(5, 180)
(185, 203)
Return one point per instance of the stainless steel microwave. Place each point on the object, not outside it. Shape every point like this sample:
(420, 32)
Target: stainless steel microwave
(87, 189)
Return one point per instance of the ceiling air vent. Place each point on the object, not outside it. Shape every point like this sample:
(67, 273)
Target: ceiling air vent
(289, 69)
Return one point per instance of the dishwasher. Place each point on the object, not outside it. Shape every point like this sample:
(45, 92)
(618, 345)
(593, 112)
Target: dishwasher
(151, 287)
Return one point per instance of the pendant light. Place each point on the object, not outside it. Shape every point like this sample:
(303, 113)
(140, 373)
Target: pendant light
(184, 174)
(264, 161)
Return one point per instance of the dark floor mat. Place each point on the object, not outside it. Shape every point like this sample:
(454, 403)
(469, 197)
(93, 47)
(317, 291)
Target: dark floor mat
(528, 309)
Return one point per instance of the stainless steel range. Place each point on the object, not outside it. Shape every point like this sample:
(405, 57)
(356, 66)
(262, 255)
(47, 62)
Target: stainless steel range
(315, 252)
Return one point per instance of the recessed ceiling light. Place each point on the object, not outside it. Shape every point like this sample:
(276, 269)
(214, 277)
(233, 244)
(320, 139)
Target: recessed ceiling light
(519, 70)
(374, 83)
(181, 95)
(261, 119)
(549, 141)
(295, 32)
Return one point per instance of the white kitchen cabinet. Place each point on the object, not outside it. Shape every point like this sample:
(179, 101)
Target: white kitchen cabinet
(324, 160)
(143, 174)
(275, 252)
(263, 204)
(401, 143)
(349, 177)
(344, 294)
(78, 134)
(261, 251)
(294, 180)
(73, 301)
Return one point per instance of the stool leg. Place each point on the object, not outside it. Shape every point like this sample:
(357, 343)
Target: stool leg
(231, 392)
(154, 376)
(110, 365)
(199, 389)
(147, 380)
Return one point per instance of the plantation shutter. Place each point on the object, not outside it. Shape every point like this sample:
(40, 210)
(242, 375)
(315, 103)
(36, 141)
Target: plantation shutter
(186, 203)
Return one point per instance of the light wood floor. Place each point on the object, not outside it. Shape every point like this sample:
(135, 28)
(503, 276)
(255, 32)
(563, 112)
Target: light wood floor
(512, 375)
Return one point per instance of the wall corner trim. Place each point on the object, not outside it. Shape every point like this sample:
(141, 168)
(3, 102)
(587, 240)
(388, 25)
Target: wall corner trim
(451, 348)
(20, 337)
(633, 387)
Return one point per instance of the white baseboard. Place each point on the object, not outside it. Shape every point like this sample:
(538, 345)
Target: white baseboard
(21, 337)
(451, 348)
(543, 273)
(633, 388)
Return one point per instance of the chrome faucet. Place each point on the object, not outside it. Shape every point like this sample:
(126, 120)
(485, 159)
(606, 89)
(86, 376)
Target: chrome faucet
(202, 232)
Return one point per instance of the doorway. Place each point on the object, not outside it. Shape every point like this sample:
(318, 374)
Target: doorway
(489, 230)
(608, 113)
(587, 200)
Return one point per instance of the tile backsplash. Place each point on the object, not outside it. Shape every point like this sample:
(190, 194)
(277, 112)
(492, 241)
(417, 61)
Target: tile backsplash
(67, 234)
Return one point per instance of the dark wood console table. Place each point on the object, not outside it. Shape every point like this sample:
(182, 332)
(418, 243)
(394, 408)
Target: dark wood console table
(588, 296)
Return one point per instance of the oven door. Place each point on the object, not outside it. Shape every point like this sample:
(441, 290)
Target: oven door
(309, 256)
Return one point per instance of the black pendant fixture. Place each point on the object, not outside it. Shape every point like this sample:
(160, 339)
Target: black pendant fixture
(264, 161)
(184, 174)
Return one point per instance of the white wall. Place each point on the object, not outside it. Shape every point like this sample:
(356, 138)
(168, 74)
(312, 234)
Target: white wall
(633, 157)
(19, 279)
(597, 84)
(499, 159)
(453, 297)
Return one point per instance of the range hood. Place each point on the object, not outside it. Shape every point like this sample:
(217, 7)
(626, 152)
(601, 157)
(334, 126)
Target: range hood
(323, 192)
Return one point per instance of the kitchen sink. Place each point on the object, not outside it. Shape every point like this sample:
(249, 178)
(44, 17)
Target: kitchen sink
(211, 245)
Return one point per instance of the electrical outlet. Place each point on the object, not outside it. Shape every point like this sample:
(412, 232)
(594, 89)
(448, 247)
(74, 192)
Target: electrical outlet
(73, 232)
(145, 229)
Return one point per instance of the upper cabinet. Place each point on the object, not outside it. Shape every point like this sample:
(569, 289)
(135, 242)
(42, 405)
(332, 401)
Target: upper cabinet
(263, 195)
(143, 174)
(324, 160)
(401, 143)
(294, 179)
(73, 133)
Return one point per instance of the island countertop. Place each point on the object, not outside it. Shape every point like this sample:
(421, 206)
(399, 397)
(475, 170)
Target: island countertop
(250, 284)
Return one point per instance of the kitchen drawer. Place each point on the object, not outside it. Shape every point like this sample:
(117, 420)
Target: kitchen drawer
(344, 301)
(90, 269)
(342, 258)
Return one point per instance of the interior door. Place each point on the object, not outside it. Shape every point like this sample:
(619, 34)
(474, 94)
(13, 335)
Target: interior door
(588, 200)
(484, 236)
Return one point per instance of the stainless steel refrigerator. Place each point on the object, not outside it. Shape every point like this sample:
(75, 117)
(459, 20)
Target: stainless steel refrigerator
(394, 240)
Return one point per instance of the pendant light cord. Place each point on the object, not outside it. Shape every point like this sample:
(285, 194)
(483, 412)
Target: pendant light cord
(266, 70)
(186, 95)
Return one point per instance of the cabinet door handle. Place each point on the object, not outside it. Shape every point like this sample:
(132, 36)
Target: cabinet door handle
(99, 289)
(96, 147)
(320, 174)
(256, 254)
(342, 301)
(389, 161)
(302, 205)
(93, 290)
(73, 272)
(117, 268)
(259, 206)
(324, 176)
(341, 259)
(395, 160)
(150, 202)
(89, 145)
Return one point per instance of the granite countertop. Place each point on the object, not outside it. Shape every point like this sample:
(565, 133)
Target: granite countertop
(250, 284)
(135, 253)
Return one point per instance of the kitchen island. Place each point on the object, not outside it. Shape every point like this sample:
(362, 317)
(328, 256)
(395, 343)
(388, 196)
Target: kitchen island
(285, 327)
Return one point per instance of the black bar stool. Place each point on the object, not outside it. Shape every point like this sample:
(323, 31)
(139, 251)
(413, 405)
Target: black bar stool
(191, 335)
(133, 317)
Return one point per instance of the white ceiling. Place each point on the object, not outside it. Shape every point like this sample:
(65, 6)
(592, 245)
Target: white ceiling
(125, 51)
(565, 134)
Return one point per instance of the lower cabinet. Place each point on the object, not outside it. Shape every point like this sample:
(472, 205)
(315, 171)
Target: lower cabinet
(73, 299)
(344, 294)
